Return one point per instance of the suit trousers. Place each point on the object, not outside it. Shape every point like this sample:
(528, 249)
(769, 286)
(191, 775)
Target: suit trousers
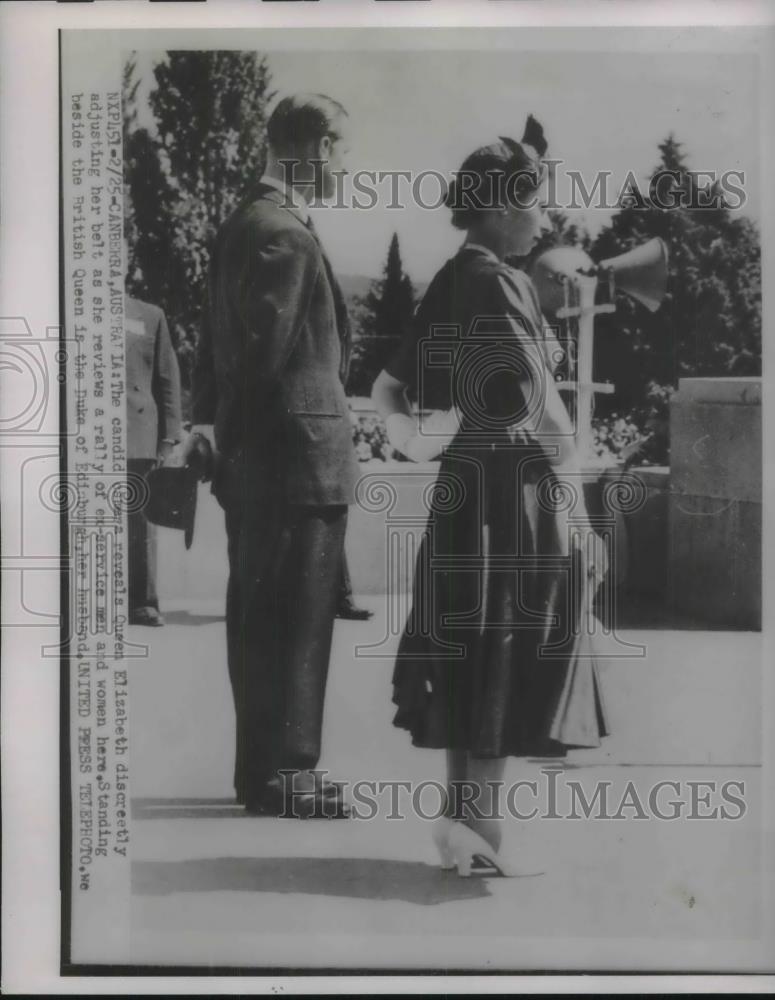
(142, 545)
(285, 564)
(346, 585)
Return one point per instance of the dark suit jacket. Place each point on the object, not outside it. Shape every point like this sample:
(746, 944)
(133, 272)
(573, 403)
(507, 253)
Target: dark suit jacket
(152, 379)
(271, 355)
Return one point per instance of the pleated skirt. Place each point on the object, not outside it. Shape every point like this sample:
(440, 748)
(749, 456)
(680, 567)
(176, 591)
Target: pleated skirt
(497, 656)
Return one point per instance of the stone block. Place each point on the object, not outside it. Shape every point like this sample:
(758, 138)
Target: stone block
(716, 438)
(715, 567)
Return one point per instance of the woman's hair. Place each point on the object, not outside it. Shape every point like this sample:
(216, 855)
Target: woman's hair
(497, 176)
(302, 118)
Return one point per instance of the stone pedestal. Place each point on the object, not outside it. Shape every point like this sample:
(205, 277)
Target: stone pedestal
(715, 536)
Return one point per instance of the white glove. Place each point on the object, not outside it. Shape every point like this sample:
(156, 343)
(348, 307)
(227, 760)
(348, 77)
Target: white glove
(424, 445)
(400, 428)
(442, 424)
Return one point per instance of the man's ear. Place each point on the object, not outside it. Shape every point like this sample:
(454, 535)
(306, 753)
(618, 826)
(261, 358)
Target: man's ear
(324, 148)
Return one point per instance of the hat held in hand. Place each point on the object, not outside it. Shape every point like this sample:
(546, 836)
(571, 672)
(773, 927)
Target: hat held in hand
(172, 498)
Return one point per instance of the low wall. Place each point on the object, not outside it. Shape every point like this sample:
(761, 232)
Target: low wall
(686, 541)
(392, 513)
(645, 538)
(390, 517)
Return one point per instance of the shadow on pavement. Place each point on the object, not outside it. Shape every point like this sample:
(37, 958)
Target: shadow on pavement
(182, 808)
(354, 878)
(186, 618)
(632, 611)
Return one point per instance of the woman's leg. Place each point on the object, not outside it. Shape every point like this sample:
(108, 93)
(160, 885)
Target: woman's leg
(457, 773)
(485, 776)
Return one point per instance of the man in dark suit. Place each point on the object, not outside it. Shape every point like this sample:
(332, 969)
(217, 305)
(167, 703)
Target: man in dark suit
(153, 429)
(269, 376)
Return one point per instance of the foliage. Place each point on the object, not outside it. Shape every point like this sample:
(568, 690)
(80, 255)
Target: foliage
(710, 321)
(183, 181)
(708, 325)
(562, 234)
(370, 438)
(380, 321)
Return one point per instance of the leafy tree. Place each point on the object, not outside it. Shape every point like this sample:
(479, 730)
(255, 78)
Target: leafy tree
(562, 234)
(183, 182)
(380, 321)
(710, 321)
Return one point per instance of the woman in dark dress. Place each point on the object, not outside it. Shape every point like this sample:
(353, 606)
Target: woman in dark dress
(495, 659)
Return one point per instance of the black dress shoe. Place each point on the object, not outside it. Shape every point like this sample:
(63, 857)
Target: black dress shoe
(275, 787)
(273, 801)
(348, 611)
(146, 616)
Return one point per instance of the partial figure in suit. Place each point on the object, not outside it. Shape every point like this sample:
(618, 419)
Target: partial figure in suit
(153, 430)
(269, 376)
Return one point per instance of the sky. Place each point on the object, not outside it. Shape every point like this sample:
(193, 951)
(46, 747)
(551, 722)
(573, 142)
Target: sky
(427, 110)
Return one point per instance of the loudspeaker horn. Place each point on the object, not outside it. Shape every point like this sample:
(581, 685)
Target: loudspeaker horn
(640, 272)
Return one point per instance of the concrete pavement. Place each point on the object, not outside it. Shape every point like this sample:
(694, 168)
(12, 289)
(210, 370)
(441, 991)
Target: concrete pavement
(212, 886)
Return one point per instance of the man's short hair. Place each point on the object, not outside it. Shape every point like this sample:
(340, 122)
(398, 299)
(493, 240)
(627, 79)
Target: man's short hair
(303, 118)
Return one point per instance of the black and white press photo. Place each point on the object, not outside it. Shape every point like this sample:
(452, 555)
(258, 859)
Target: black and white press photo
(412, 494)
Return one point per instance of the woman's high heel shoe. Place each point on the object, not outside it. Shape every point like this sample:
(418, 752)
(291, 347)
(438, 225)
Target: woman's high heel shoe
(468, 848)
(442, 828)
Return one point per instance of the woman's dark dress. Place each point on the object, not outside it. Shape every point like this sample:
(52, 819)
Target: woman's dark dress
(494, 658)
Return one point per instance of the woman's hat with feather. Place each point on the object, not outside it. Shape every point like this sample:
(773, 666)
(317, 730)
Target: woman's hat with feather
(499, 173)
